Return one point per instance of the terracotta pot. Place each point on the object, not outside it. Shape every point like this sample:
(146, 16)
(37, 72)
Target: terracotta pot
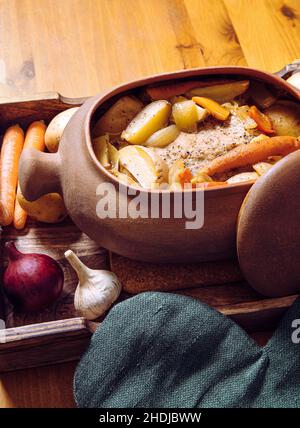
(75, 172)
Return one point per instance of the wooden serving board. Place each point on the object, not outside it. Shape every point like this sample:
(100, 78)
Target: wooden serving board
(58, 334)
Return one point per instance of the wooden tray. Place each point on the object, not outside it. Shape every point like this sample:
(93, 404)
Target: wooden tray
(58, 334)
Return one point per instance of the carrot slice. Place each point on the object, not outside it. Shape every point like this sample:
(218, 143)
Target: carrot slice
(164, 92)
(264, 124)
(35, 138)
(251, 153)
(13, 141)
(214, 108)
(185, 176)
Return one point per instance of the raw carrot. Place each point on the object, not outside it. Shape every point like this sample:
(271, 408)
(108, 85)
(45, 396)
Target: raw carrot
(35, 138)
(13, 141)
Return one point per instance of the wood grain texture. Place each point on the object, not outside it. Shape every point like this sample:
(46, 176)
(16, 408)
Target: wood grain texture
(45, 46)
(268, 31)
(27, 107)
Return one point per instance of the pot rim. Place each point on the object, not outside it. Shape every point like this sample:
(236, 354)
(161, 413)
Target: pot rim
(269, 78)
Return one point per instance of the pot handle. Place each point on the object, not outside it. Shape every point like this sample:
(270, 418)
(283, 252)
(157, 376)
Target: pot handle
(39, 173)
(288, 70)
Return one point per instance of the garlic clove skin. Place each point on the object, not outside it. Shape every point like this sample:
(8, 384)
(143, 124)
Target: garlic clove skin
(97, 290)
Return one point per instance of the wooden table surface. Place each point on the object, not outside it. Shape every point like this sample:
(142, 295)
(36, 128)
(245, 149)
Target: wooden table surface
(81, 47)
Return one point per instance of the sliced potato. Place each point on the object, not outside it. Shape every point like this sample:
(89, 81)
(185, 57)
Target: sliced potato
(178, 99)
(243, 176)
(221, 93)
(201, 178)
(100, 146)
(117, 117)
(161, 166)
(149, 120)
(185, 115)
(262, 167)
(202, 113)
(147, 167)
(125, 178)
(285, 118)
(56, 128)
(113, 156)
(163, 137)
(260, 137)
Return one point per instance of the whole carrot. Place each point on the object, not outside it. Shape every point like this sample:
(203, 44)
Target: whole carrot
(13, 141)
(35, 138)
(251, 153)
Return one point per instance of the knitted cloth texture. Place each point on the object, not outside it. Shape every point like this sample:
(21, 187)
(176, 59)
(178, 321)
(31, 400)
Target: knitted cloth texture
(167, 350)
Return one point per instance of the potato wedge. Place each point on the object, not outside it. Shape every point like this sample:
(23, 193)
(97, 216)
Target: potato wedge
(178, 99)
(201, 178)
(126, 179)
(113, 156)
(149, 120)
(117, 117)
(152, 118)
(161, 166)
(100, 146)
(285, 118)
(222, 93)
(202, 113)
(262, 167)
(163, 137)
(259, 137)
(185, 115)
(243, 176)
(147, 167)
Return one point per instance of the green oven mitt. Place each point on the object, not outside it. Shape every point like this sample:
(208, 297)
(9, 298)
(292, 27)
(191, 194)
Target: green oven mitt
(168, 350)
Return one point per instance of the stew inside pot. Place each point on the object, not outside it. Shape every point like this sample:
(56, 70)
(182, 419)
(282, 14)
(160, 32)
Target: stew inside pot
(196, 133)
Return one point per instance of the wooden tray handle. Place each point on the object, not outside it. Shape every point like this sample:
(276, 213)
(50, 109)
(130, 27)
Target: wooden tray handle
(39, 173)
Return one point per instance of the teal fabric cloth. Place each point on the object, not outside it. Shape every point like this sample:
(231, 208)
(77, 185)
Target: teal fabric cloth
(166, 350)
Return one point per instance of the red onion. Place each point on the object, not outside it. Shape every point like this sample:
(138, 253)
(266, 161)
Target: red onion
(31, 282)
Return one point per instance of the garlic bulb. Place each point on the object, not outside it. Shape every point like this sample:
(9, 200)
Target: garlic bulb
(96, 290)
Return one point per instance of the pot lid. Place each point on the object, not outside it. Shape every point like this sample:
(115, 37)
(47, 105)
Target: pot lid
(268, 230)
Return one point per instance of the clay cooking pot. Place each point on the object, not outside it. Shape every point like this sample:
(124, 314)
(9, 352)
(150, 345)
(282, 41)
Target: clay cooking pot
(75, 172)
